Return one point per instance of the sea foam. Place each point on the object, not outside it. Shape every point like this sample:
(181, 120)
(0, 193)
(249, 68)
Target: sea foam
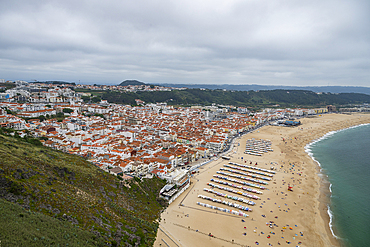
(330, 213)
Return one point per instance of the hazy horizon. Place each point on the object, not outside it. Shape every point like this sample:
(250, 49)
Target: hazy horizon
(209, 84)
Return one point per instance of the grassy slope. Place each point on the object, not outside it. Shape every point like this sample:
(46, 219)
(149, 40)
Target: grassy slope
(70, 189)
(20, 227)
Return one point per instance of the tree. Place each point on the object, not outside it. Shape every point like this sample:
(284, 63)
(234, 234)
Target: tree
(96, 99)
(59, 115)
(85, 98)
(67, 110)
(42, 118)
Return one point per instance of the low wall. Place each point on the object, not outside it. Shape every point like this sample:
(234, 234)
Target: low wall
(178, 193)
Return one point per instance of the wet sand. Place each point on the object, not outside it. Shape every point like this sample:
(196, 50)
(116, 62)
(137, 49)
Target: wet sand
(298, 217)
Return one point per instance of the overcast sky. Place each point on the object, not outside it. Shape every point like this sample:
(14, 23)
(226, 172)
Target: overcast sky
(291, 42)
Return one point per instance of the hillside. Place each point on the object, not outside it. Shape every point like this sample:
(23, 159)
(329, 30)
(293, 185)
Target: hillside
(20, 227)
(254, 87)
(6, 85)
(131, 82)
(284, 98)
(71, 190)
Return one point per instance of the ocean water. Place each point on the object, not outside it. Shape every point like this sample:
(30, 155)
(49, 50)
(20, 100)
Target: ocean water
(344, 157)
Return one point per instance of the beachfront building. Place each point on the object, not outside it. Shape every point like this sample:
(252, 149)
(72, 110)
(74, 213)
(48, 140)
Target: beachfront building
(177, 182)
(215, 144)
(331, 108)
(203, 152)
(320, 110)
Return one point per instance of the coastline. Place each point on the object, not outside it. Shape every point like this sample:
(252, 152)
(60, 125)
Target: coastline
(313, 199)
(325, 187)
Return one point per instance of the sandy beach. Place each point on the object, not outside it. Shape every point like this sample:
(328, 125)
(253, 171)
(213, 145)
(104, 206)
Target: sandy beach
(281, 217)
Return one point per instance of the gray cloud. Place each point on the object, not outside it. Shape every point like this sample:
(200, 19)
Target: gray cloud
(235, 42)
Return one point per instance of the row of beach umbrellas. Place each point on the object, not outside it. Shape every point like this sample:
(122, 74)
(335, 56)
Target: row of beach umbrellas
(235, 198)
(241, 182)
(233, 191)
(240, 213)
(248, 170)
(245, 174)
(246, 178)
(231, 204)
(236, 186)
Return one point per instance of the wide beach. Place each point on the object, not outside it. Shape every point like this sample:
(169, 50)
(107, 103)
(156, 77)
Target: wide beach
(297, 217)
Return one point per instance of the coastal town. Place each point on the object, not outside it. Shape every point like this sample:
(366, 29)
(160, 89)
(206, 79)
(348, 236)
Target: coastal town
(143, 140)
(148, 138)
(223, 163)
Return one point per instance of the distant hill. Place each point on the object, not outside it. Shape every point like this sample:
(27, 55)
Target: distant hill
(82, 205)
(131, 83)
(262, 98)
(254, 87)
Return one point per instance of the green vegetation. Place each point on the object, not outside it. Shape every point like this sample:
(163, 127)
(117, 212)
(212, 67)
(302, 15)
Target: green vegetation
(67, 110)
(26, 138)
(96, 99)
(59, 117)
(20, 227)
(70, 190)
(9, 111)
(95, 95)
(7, 85)
(131, 82)
(93, 92)
(283, 98)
